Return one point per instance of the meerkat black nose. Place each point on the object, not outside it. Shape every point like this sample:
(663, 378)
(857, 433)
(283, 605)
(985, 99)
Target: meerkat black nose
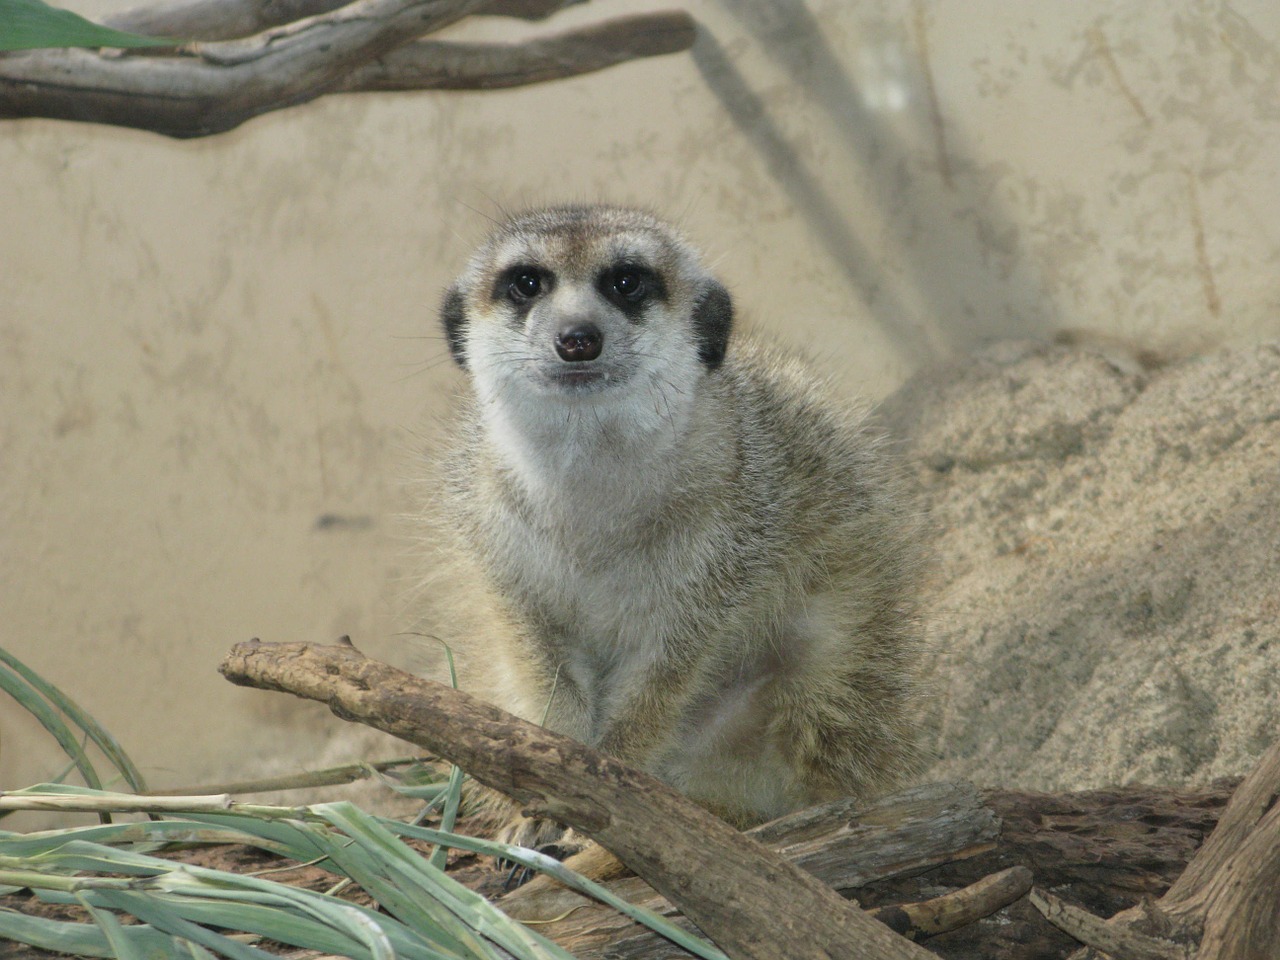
(579, 341)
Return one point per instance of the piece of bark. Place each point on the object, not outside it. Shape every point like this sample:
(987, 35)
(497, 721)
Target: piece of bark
(742, 895)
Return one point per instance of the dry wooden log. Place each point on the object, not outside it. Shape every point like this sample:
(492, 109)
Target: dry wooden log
(1223, 906)
(1103, 849)
(369, 45)
(1106, 848)
(842, 844)
(741, 894)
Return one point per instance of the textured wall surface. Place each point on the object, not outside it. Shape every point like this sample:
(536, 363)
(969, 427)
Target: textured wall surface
(216, 356)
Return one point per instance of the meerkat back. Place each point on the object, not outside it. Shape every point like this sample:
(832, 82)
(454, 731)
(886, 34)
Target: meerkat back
(679, 549)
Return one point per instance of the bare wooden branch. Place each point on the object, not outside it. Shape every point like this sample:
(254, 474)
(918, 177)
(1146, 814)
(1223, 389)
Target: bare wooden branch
(951, 911)
(842, 843)
(1242, 902)
(441, 65)
(208, 20)
(528, 9)
(1230, 888)
(208, 88)
(1105, 848)
(1116, 941)
(745, 897)
(216, 86)
(915, 921)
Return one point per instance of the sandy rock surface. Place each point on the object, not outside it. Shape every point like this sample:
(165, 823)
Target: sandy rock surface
(1105, 604)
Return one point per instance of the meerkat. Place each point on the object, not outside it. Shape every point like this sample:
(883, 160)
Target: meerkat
(689, 555)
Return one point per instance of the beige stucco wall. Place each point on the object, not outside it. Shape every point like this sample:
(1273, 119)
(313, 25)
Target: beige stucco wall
(206, 347)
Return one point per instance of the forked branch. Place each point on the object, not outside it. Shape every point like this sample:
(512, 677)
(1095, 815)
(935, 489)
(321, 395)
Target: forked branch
(205, 88)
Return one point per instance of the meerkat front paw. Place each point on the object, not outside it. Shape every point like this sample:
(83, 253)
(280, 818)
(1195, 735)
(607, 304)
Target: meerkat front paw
(544, 836)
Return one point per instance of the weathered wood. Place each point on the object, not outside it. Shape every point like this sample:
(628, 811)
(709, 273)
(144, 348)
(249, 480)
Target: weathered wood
(741, 894)
(369, 45)
(1227, 896)
(951, 911)
(842, 844)
(915, 921)
(1106, 849)
(441, 65)
(207, 20)
(216, 86)
(1112, 939)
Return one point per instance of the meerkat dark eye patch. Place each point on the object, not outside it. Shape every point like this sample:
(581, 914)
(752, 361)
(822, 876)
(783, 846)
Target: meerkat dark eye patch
(521, 285)
(453, 317)
(712, 323)
(630, 286)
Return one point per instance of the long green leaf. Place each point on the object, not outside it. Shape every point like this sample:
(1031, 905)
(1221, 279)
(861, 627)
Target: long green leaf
(31, 24)
(78, 939)
(105, 742)
(161, 916)
(549, 865)
(411, 870)
(122, 947)
(29, 697)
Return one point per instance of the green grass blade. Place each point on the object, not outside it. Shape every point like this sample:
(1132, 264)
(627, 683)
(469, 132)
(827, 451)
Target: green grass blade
(195, 951)
(30, 699)
(258, 904)
(574, 881)
(161, 916)
(415, 911)
(449, 817)
(31, 24)
(105, 742)
(157, 832)
(412, 871)
(77, 939)
(122, 946)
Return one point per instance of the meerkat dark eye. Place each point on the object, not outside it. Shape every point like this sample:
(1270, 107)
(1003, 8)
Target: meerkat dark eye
(525, 285)
(629, 284)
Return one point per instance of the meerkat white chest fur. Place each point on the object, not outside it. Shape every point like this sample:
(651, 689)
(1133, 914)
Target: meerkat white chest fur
(702, 564)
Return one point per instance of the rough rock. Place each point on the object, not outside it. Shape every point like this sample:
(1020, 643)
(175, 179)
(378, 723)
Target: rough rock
(1105, 602)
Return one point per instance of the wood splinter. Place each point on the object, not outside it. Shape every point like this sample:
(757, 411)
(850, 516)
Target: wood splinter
(928, 918)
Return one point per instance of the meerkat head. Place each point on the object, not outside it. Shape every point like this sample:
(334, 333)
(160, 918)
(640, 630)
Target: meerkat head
(586, 306)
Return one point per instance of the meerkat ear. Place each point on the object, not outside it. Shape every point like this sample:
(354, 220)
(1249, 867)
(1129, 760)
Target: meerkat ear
(712, 322)
(453, 316)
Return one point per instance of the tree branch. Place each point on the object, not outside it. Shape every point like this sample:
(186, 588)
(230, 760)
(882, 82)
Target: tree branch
(745, 897)
(216, 86)
(208, 88)
(208, 20)
(1226, 897)
(1111, 939)
(441, 65)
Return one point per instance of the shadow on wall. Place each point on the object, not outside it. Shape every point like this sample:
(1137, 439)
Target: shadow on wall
(788, 32)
